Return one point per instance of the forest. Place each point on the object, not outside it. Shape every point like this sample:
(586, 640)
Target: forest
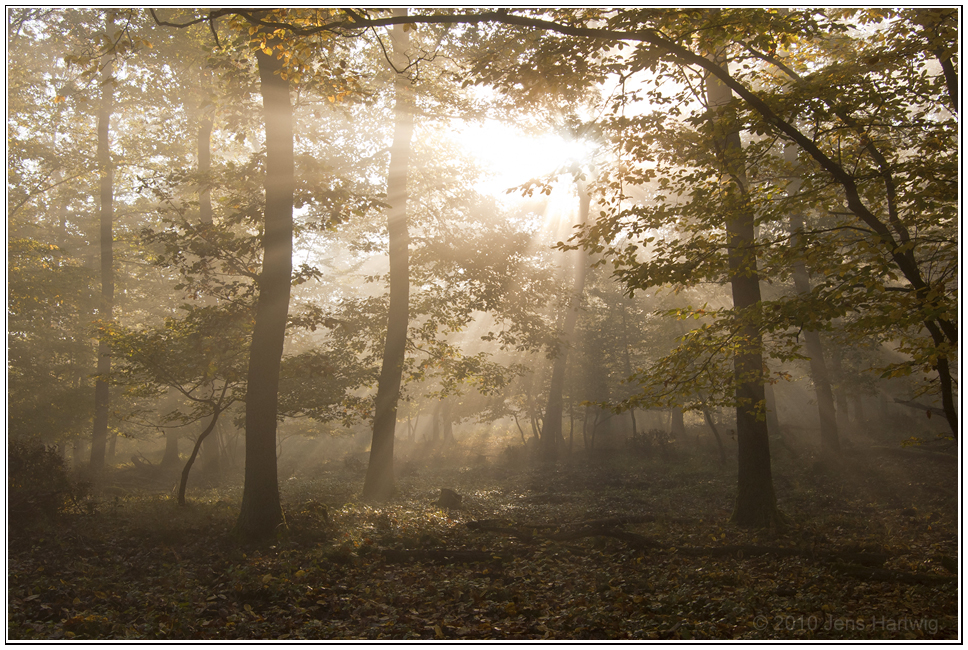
(483, 324)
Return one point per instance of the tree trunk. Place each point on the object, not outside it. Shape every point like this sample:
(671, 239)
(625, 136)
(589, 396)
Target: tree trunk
(183, 483)
(210, 450)
(860, 418)
(551, 430)
(435, 424)
(106, 218)
(840, 390)
(772, 418)
(171, 449)
(111, 447)
(378, 485)
(719, 440)
(447, 421)
(524, 440)
(261, 511)
(678, 425)
(755, 498)
(204, 168)
(829, 435)
(571, 427)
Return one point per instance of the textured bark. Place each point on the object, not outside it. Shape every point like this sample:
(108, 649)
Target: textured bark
(102, 396)
(261, 511)
(551, 431)
(378, 485)
(755, 498)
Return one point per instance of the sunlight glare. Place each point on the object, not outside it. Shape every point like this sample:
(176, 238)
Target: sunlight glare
(513, 157)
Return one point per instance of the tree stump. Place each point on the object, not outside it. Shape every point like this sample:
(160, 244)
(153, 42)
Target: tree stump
(449, 499)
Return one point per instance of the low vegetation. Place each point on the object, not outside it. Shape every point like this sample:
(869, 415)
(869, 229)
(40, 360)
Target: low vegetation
(612, 547)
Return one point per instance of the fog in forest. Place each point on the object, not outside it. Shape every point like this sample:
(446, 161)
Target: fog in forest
(352, 278)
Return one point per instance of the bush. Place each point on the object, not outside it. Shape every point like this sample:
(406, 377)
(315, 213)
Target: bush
(647, 443)
(38, 483)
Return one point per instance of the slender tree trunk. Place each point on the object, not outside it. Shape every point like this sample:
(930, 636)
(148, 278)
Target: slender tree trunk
(171, 449)
(553, 413)
(261, 512)
(829, 435)
(210, 450)
(755, 498)
(772, 417)
(378, 485)
(524, 440)
(435, 424)
(106, 217)
(628, 361)
(860, 416)
(719, 439)
(447, 422)
(183, 483)
(678, 425)
(111, 447)
(571, 427)
(205, 126)
(840, 390)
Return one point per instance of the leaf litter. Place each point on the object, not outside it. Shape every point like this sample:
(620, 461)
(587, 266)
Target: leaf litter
(618, 549)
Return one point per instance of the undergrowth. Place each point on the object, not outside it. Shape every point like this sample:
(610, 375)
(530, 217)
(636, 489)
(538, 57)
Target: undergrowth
(518, 561)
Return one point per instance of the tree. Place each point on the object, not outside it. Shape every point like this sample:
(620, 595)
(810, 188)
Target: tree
(106, 237)
(755, 498)
(551, 432)
(198, 357)
(379, 474)
(829, 437)
(261, 510)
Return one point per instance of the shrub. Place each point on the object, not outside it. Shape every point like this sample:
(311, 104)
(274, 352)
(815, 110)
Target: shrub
(646, 443)
(37, 482)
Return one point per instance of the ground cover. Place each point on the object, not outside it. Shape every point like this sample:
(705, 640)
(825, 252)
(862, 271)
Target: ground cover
(616, 547)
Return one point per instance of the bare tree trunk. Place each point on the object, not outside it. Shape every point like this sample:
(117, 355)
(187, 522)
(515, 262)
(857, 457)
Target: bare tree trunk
(435, 424)
(378, 485)
(551, 432)
(829, 436)
(755, 498)
(171, 449)
(524, 440)
(261, 511)
(678, 425)
(183, 483)
(446, 417)
(102, 396)
(719, 439)
(204, 168)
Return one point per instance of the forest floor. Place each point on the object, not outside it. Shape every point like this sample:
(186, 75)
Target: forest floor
(619, 547)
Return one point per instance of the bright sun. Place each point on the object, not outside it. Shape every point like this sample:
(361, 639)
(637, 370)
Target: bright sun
(515, 157)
